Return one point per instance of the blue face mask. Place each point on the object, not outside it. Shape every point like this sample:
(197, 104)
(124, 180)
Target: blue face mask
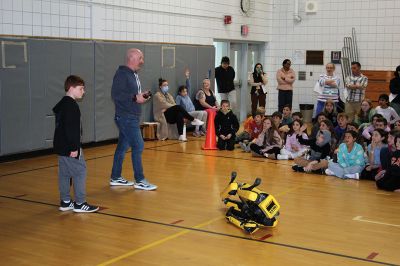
(164, 89)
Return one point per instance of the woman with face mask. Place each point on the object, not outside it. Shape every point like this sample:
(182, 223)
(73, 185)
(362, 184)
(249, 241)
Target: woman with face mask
(257, 80)
(166, 111)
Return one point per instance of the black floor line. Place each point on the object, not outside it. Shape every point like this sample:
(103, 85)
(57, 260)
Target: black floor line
(217, 233)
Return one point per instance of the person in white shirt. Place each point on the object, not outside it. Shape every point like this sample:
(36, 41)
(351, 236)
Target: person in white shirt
(385, 110)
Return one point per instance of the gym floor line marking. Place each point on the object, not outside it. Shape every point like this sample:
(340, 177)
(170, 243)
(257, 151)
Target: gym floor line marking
(361, 219)
(156, 243)
(177, 222)
(265, 237)
(218, 233)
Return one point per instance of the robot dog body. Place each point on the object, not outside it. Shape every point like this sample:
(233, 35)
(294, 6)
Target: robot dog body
(255, 209)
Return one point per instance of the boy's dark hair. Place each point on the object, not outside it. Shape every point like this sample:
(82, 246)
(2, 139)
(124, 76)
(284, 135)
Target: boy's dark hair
(299, 114)
(225, 59)
(382, 120)
(384, 97)
(285, 61)
(396, 73)
(225, 101)
(161, 81)
(356, 63)
(278, 114)
(383, 134)
(376, 116)
(353, 124)
(352, 133)
(181, 89)
(73, 81)
(288, 106)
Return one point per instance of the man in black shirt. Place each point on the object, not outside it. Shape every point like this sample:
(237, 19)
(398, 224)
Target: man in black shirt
(225, 74)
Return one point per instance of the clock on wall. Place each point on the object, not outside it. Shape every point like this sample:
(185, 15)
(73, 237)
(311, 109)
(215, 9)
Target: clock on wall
(246, 6)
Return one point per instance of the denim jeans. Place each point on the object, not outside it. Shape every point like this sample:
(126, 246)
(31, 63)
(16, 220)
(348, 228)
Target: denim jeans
(129, 136)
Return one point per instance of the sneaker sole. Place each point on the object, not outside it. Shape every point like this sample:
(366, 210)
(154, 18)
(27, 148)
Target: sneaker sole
(64, 209)
(83, 211)
(120, 184)
(142, 188)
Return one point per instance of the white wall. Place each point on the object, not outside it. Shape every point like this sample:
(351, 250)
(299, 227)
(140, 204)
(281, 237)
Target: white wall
(177, 21)
(377, 25)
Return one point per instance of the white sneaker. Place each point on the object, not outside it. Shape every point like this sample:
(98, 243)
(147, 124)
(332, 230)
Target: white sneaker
(197, 122)
(145, 185)
(329, 172)
(182, 138)
(283, 157)
(353, 176)
(120, 181)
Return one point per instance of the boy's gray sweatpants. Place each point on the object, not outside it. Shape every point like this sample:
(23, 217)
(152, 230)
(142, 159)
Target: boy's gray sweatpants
(68, 168)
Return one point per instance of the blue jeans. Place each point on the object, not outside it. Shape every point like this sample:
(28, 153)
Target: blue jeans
(129, 136)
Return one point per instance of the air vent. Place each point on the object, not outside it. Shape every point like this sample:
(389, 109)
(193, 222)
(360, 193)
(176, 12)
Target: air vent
(302, 75)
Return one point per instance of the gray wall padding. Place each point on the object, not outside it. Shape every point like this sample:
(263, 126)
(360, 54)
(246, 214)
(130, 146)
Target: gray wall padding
(29, 91)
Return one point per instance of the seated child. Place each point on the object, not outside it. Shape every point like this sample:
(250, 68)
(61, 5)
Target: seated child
(319, 149)
(252, 130)
(315, 128)
(330, 112)
(350, 158)
(389, 179)
(269, 142)
(226, 126)
(378, 141)
(386, 111)
(286, 115)
(293, 148)
(377, 122)
(340, 129)
(298, 116)
(184, 100)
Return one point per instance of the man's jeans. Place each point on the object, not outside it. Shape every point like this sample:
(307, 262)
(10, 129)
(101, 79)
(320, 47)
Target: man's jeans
(129, 136)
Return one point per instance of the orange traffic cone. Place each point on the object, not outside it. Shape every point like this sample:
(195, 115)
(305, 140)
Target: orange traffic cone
(211, 142)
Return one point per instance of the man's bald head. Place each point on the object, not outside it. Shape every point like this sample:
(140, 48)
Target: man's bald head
(134, 59)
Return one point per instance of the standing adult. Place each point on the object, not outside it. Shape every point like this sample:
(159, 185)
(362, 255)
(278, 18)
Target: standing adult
(355, 84)
(224, 75)
(127, 95)
(329, 84)
(285, 78)
(258, 80)
(395, 90)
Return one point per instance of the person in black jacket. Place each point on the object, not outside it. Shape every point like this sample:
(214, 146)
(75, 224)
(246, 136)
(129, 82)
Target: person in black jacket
(389, 179)
(226, 126)
(67, 144)
(225, 75)
(394, 87)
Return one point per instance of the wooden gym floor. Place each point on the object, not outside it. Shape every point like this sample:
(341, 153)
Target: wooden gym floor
(324, 220)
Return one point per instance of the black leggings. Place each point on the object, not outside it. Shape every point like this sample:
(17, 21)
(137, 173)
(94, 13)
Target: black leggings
(369, 175)
(176, 114)
(284, 98)
(389, 183)
(257, 149)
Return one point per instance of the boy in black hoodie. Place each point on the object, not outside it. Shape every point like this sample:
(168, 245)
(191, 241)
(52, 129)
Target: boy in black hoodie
(226, 126)
(67, 144)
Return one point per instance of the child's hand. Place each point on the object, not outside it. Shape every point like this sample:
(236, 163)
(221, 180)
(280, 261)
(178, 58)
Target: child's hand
(294, 147)
(303, 128)
(228, 136)
(380, 175)
(222, 137)
(336, 151)
(368, 168)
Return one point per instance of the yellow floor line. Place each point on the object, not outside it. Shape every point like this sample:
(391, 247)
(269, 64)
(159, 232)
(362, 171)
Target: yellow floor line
(160, 241)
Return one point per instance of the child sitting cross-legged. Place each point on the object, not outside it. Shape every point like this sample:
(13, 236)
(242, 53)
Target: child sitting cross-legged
(293, 148)
(252, 129)
(226, 126)
(350, 160)
(269, 142)
(379, 140)
(319, 150)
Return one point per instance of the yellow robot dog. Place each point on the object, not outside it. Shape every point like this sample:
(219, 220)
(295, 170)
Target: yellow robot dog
(255, 209)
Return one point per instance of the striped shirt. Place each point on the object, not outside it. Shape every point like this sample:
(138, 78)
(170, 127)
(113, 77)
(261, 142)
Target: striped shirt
(356, 95)
(329, 92)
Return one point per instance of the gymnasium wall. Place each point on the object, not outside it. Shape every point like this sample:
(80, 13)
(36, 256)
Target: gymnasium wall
(33, 72)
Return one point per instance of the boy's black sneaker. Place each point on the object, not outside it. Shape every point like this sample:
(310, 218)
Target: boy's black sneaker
(66, 206)
(85, 207)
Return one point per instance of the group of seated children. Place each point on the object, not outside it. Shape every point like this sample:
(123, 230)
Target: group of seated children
(367, 148)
